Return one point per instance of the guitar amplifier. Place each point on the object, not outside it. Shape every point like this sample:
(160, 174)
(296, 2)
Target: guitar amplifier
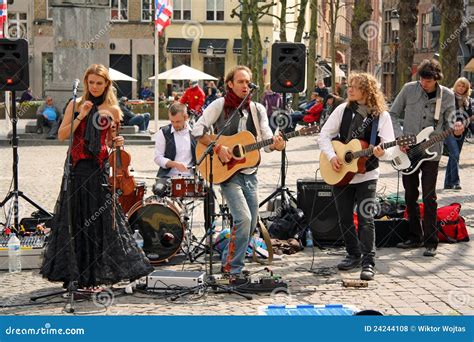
(316, 200)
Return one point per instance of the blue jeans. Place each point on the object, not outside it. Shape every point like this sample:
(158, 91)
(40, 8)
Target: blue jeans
(241, 195)
(140, 120)
(452, 169)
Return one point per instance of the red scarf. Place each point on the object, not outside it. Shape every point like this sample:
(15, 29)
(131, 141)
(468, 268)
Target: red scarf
(232, 101)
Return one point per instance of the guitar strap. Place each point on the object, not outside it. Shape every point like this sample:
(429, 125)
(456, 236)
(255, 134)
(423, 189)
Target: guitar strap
(438, 106)
(256, 121)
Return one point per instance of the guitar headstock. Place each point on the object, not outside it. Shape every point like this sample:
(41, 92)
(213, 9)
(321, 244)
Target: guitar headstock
(406, 140)
(311, 129)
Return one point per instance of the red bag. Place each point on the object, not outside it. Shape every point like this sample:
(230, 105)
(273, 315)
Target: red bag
(451, 225)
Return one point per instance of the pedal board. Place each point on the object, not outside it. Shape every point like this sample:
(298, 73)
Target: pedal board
(248, 284)
(173, 280)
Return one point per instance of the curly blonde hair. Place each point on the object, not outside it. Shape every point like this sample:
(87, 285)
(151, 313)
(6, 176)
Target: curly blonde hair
(370, 88)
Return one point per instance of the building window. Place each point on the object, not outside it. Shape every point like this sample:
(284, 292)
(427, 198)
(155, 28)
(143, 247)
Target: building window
(214, 66)
(182, 10)
(425, 24)
(147, 10)
(387, 27)
(18, 25)
(119, 10)
(49, 10)
(215, 10)
(46, 70)
(145, 69)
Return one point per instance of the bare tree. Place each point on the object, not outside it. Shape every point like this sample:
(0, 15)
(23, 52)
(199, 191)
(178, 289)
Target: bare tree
(452, 13)
(335, 7)
(298, 36)
(360, 43)
(408, 19)
(313, 36)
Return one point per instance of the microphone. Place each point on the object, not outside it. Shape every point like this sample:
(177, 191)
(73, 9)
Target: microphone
(253, 86)
(75, 85)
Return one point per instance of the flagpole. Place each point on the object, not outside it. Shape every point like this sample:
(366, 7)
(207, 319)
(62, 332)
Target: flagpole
(157, 93)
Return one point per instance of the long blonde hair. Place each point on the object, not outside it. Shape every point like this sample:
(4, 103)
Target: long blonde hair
(369, 87)
(466, 82)
(102, 71)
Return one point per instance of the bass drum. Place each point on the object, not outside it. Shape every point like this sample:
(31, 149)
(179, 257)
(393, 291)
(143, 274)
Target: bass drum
(158, 221)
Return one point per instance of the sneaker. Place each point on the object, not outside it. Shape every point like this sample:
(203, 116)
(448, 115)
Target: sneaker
(367, 273)
(448, 187)
(51, 137)
(349, 262)
(457, 187)
(430, 252)
(409, 244)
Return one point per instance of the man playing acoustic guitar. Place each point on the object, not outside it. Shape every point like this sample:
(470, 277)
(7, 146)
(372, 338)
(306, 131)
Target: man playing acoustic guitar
(240, 191)
(364, 116)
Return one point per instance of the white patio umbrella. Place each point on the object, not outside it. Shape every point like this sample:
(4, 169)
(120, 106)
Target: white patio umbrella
(116, 75)
(183, 72)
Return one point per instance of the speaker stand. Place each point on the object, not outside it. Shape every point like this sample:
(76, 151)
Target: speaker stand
(15, 193)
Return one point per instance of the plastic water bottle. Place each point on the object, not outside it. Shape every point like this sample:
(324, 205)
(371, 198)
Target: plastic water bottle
(138, 238)
(14, 257)
(309, 238)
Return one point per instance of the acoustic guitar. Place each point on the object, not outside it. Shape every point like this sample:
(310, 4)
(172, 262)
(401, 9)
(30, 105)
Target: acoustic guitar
(354, 154)
(245, 153)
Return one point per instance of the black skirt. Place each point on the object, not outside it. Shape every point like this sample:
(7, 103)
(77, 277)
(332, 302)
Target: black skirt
(102, 253)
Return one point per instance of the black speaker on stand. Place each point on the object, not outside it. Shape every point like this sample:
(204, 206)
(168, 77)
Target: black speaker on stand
(14, 75)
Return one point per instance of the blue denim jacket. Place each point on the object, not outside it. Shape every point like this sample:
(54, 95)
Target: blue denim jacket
(419, 111)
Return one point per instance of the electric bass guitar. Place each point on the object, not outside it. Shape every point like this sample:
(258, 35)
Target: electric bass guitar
(245, 153)
(409, 162)
(354, 154)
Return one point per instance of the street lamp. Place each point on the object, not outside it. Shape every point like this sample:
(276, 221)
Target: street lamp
(395, 23)
(306, 39)
(210, 50)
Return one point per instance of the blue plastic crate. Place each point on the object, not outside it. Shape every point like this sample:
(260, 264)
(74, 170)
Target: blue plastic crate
(308, 310)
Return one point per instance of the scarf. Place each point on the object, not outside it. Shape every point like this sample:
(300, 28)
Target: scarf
(462, 100)
(232, 101)
(94, 126)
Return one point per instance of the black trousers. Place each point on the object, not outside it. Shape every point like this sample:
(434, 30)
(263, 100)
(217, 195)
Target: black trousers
(427, 232)
(361, 242)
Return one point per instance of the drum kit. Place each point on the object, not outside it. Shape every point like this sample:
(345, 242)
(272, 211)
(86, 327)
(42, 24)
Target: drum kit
(163, 218)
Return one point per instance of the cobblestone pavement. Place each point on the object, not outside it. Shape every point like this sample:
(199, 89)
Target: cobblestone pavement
(406, 283)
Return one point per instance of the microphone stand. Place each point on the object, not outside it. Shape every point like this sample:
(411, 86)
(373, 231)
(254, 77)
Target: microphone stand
(68, 177)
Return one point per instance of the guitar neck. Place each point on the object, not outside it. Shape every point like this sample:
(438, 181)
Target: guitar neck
(367, 152)
(436, 139)
(258, 145)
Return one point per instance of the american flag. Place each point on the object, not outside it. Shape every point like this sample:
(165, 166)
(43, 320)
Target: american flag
(3, 15)
(163, 12)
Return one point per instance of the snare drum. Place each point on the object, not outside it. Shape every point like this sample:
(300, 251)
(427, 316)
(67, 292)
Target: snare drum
(158, 221)
(127, 202)
(187, 187)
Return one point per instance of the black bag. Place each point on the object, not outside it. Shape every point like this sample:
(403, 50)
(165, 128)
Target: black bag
(290, 224)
